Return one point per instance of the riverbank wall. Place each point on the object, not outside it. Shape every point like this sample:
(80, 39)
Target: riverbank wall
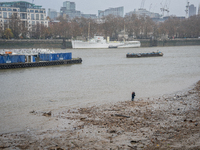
(33, 43)
(173, 42)
(60, 43)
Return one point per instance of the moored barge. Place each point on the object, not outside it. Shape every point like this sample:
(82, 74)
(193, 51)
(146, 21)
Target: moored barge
(36, 59)
(136, 55)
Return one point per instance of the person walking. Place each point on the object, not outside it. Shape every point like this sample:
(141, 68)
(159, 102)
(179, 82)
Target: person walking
(133, 95)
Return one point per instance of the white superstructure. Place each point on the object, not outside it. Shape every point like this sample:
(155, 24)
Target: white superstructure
(100, 42)
(129, 44)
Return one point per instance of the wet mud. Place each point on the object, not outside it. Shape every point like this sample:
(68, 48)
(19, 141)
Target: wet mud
(167, 122)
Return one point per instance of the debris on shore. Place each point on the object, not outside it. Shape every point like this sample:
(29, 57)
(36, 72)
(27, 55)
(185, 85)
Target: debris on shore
(167, 122)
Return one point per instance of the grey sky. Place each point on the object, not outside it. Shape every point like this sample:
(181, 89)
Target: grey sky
(176, 7)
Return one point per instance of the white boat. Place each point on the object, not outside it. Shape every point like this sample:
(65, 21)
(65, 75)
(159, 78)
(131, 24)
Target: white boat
(100, 42)
(129, 44)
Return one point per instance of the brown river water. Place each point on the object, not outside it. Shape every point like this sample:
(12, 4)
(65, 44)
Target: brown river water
(105, 76)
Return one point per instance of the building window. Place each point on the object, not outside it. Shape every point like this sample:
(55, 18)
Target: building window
(10, 15)
(9, 9)
(4, 9)
(42, 17)
(32, 17)
(41, 11)
(14, 9)
(36, 11)
(37, 16)
(23, 16)
(32, 11)
(4, 14)
(33, 23)
(22, 9)
(15, 15)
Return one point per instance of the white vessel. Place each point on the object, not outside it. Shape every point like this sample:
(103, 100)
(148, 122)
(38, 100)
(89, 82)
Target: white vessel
(100, 42)
(129, 44)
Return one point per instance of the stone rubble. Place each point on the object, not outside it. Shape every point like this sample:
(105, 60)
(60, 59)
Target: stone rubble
(168, 122)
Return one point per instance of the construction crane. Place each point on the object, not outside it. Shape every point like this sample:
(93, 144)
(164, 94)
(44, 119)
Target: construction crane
(165, 8)
(162, 9)
(187, 9)
(142, 4)
(150, 6)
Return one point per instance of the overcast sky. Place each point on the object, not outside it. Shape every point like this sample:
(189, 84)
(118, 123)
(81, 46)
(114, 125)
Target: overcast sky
(176, 7)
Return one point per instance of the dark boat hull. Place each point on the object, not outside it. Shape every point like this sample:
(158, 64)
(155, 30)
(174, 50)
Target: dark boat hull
(136, 55)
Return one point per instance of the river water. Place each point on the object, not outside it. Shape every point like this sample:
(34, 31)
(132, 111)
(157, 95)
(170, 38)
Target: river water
(105, 76)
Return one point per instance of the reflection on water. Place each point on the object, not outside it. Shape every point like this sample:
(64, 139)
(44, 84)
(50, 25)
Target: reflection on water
(105, 75)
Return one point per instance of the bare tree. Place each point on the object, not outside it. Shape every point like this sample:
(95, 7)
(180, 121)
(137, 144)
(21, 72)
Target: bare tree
(1, 30)
(15, 25)
(44, 32)
(75, 29)
(138, 26)
(8, 33)
(112, 26)
(172, 25)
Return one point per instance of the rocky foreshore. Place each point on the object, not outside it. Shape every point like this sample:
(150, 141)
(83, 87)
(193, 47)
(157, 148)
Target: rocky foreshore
(167, 122)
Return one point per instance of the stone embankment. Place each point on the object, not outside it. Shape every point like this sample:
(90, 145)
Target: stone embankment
(167, 122)
(170, 42)
(31, 43)
(60, 43)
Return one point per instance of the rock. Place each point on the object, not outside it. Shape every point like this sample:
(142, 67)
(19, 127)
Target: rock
(32, 111)
(47, 114)
(83, 118)
(112, 131)
(134, 141)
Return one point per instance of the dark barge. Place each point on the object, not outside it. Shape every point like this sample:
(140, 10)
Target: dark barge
(136, 55)
(40, 64)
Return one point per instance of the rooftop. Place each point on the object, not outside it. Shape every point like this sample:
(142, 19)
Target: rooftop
(19, 4)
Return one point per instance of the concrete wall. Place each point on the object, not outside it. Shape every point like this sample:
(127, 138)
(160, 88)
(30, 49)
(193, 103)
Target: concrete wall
(58, 43)
(176, 42)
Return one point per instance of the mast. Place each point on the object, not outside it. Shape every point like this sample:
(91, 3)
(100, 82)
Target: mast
(88, 31)
(187, 9)
(124, 32)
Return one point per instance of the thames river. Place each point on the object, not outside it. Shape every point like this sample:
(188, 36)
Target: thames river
(105, 76)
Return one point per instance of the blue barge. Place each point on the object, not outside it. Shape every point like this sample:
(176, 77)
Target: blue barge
(10, 61)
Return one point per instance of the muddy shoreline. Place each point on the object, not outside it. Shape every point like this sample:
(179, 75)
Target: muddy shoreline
(167, 122)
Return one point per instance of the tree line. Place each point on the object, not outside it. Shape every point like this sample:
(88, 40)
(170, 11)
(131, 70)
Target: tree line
(139, 27)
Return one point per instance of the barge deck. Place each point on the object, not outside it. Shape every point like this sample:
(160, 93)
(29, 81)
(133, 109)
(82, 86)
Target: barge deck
(136, 55)
(40, 64)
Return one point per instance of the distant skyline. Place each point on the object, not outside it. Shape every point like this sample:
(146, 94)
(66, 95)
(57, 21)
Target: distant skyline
(176, 7)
